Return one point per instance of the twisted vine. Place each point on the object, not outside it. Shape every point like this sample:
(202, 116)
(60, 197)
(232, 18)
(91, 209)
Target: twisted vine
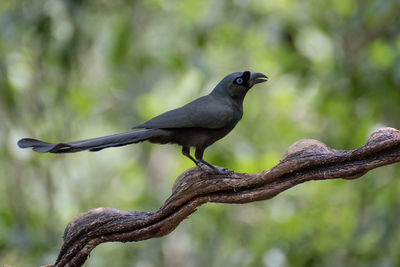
(305, 160)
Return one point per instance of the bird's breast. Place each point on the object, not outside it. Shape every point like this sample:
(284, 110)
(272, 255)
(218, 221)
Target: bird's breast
(237, 112)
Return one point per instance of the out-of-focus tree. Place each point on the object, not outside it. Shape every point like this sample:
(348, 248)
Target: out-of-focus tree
(80, 69)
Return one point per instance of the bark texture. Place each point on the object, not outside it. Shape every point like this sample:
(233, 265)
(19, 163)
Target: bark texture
(304, 160)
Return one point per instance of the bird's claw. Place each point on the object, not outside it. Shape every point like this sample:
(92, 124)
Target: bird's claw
(214, 169)
(223, 171)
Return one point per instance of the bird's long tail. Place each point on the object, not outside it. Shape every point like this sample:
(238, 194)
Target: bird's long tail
(94, 144)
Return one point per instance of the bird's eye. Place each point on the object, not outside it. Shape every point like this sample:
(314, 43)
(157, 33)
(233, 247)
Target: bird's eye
(239, 81)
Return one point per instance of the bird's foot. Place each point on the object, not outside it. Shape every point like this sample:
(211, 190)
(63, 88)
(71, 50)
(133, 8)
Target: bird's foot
(211, 169)
(222, 171)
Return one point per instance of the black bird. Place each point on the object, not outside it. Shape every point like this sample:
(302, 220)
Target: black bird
(198, 124)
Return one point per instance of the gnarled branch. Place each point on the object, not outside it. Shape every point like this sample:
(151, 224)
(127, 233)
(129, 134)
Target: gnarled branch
(305, 160)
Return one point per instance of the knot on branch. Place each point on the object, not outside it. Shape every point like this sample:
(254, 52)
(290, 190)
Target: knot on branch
(306, 148)
(303, 161)
(382, 135)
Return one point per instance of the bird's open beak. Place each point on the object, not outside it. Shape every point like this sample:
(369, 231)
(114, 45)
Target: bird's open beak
(257, 77)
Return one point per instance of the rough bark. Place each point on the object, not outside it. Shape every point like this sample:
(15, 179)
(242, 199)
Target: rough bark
(305, 160)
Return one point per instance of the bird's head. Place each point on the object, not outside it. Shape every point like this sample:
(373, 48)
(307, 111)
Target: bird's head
(237, 84)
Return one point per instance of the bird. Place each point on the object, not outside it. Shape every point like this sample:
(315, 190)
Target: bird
(197, 124)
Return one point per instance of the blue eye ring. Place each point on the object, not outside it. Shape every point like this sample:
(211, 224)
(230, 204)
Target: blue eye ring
(239, 81)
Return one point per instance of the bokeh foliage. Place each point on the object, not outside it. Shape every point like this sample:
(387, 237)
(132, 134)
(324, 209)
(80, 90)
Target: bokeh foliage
(84, 68)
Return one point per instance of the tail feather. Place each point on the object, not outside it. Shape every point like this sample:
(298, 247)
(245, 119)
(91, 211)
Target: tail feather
(94, 144)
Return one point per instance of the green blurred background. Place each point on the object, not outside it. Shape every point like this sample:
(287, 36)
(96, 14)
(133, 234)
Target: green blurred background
(79, 69)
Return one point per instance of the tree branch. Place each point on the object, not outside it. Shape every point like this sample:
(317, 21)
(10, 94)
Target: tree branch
(305, 160)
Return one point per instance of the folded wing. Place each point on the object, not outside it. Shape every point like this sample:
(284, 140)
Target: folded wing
(206, 112)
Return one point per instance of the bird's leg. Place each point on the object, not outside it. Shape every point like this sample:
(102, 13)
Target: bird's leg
(216, 170)
(186, 152)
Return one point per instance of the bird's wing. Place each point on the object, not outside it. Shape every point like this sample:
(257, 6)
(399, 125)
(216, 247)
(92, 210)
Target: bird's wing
(205, 112)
